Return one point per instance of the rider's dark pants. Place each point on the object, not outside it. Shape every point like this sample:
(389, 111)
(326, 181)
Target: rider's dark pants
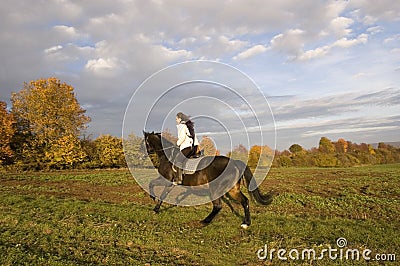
(188, 151)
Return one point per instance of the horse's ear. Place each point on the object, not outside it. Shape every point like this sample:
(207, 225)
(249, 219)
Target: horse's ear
(152, 133)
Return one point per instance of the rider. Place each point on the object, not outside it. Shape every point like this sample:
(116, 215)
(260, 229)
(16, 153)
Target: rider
(187, 140)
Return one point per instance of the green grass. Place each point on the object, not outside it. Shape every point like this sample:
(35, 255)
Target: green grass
(104, 217)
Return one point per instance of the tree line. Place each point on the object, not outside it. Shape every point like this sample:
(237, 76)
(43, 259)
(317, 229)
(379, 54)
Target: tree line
(340, 153)
(43, 130)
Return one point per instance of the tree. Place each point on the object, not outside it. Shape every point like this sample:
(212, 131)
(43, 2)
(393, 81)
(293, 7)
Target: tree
(65, 152)
(110, 151)
(89, 148)
(382, 145)
(46, 111)
(240, 152)
(135, 152)
(207, 145)
(167, 134)
(295, 148)
(254, 156)
(371, 150)
(7, 129)
(300, 156)
(326, 160)
(284, 161)
(326, 146)
(260, 156)
(341, 146)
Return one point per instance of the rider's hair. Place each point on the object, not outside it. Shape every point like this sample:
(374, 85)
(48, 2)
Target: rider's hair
(187, 121)
(183, 117)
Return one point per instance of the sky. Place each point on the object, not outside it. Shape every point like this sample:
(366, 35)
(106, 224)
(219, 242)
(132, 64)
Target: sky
(326, 68)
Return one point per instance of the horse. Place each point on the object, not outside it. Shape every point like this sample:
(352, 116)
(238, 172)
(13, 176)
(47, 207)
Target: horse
(218, 174)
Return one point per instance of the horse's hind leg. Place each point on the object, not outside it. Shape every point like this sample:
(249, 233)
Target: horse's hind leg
(217, 206)
(237, 195)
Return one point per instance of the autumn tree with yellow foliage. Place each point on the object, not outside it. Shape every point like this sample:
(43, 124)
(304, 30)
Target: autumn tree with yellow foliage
(260, 156)
(208, 147)
(7, 130)
(50, 120)
(109, 151)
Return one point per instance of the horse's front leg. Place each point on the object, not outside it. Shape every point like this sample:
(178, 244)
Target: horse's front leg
(164, 194)
(160, 181)
(157, 207)
(165, 179)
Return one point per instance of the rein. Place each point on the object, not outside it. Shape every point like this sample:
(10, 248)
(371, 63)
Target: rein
(172, 155)
(163, 149)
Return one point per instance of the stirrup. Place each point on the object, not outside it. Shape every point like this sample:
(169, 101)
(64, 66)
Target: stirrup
(176, 183)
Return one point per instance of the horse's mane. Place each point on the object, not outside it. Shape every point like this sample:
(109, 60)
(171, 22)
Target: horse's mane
(165, 142)
(168, 147)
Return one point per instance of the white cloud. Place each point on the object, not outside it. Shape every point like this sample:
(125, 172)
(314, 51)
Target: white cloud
(231, 44)
(209, 47)
(53, 49)
(392, 39)
(382, 10)
(312, 54)
(70, 32)
(255, 50)
(324, 50)
(341, 131)
(346, 43)
(359, 75)
(340, 26)
(172, 55)
(290, 42)
(293, 41)
(334, 105)
(101, 65)
(375, 30)
(369, 20)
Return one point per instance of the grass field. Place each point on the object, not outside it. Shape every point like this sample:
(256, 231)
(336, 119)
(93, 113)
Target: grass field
(104, 217)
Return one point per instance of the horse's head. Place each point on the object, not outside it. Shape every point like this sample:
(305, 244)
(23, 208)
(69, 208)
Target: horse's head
(156, 143)
(152, 141)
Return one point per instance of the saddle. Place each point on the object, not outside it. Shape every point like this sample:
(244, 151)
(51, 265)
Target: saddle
(190, 165)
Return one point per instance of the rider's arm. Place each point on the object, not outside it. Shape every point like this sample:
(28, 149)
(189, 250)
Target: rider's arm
(181, 134)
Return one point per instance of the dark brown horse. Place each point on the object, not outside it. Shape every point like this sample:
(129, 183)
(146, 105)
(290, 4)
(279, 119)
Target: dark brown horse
(219, 175)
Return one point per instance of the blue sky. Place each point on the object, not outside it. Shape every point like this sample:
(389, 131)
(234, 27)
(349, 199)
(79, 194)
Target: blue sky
(327, 68)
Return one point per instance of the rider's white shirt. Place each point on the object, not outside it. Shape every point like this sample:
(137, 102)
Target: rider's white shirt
(184, 139)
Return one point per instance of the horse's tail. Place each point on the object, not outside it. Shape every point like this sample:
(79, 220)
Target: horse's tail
(264, 199)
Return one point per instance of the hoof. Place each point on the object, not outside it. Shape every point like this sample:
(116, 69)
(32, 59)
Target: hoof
(204, 222)
(244, 226)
